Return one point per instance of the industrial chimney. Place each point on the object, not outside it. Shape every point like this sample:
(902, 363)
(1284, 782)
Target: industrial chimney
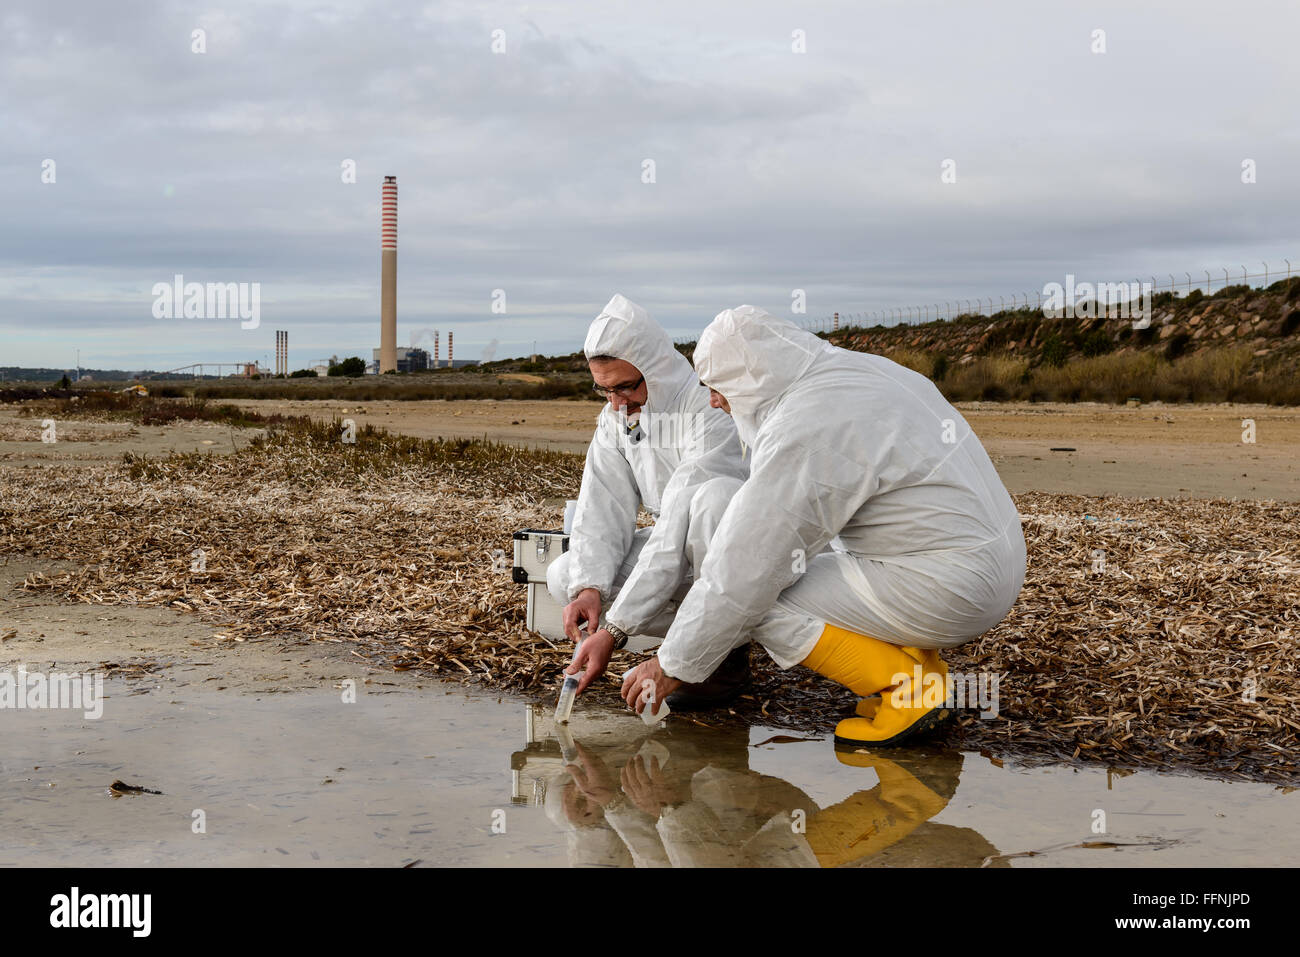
(435, 348)
(449, 362)
(388, 278)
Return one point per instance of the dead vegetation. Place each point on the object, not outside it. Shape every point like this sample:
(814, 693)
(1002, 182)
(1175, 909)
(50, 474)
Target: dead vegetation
(1150, 633)
(146, 410)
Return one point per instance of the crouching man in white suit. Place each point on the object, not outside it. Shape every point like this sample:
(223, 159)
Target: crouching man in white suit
(873, 529)
(658, 442)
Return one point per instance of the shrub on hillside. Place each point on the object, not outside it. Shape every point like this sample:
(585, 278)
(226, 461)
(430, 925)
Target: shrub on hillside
(922, 362)
(990, 378)
(1108, 378)
(1232, 292)
(1097, 343)
(1177, 345)
(1055, 351)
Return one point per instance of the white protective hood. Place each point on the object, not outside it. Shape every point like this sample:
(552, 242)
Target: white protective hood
(625, 331)
(852, 446)
(752, 362)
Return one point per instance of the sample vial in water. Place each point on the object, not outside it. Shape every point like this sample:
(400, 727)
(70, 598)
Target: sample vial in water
(568, 691)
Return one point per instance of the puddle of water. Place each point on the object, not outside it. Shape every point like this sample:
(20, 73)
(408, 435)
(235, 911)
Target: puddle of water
(446, 778)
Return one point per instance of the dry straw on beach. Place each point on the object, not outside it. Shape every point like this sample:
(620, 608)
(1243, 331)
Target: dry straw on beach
(1149, 634)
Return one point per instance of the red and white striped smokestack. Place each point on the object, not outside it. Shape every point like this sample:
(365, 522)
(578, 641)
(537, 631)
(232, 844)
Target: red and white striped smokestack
(449, 362)
(435, 348)
(388, 278)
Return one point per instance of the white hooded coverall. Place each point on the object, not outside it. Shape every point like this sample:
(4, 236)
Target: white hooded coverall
(928, 550)
(683, 461)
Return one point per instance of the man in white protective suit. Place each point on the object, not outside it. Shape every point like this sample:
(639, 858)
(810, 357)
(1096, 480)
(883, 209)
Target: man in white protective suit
(660, 443)
(855, 452)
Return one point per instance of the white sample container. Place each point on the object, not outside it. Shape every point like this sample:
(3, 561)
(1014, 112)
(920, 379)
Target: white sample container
(648, 714)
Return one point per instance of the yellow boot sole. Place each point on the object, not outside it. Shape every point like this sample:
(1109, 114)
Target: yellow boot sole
(874, 733)
(882, 724)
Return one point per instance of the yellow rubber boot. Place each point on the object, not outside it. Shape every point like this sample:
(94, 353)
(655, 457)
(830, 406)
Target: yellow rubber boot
(866, 823)
(912, 683)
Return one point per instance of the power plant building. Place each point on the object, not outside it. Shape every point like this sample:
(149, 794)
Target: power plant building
(405, 360)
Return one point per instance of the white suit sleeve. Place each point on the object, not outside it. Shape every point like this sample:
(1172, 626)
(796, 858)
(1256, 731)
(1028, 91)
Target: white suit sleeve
(637, 830)
(800, 493)
(713, 450)
(605, 520)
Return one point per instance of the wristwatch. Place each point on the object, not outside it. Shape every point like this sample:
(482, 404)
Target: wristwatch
(620, 636)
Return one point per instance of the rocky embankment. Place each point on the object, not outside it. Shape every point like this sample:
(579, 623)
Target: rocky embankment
(1267, 320)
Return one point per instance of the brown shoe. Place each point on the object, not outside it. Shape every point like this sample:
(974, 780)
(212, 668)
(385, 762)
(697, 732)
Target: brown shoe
(722, 687)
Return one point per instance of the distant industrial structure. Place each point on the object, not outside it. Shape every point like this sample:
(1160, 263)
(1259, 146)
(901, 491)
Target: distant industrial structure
(407, 360)
(388, 277)
(199, 370)
(281, 352)
(388, 357)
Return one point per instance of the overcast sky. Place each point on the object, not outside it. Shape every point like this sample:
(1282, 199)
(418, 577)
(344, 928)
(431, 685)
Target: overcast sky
(774, 170)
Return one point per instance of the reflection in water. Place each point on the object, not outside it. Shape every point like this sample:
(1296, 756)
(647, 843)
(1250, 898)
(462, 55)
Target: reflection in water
(678, 798)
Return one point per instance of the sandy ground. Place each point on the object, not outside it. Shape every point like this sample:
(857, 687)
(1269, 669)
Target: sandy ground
(97, 443)
(1165, 451)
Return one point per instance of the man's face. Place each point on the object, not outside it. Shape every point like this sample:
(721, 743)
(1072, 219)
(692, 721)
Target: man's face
(622, 375)
(717, 400)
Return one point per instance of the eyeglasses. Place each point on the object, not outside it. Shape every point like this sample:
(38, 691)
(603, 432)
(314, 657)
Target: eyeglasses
(624, 390)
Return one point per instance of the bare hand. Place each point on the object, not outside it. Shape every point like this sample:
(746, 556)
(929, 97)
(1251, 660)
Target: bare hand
(635, 685)
(586, 607)
(593, 655)
(592, 777)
